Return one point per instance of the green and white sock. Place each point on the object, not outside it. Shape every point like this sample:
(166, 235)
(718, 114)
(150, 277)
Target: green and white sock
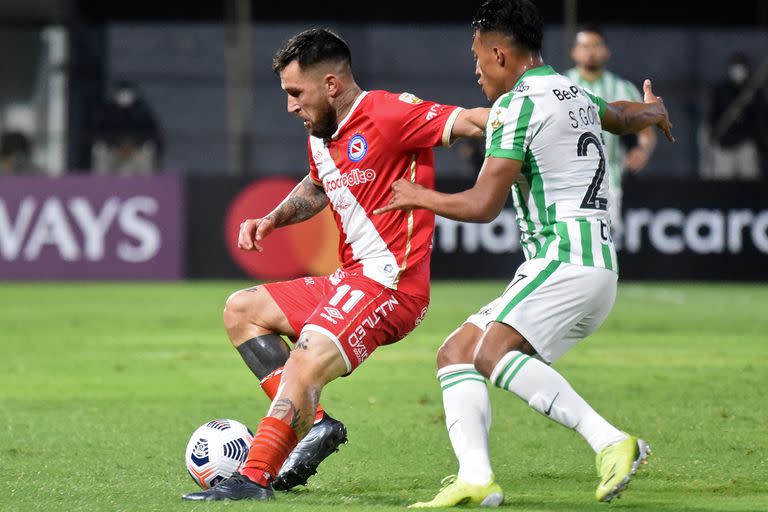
(468, 420)
(549, 393)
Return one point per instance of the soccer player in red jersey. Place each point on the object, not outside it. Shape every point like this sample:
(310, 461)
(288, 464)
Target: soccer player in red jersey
(360, 143)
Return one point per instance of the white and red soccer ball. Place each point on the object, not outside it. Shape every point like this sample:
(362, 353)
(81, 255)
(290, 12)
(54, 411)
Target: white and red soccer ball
(216, 450)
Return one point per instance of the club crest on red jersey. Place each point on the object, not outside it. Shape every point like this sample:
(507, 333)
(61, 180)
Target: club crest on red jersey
(357, 148)
(410, 98)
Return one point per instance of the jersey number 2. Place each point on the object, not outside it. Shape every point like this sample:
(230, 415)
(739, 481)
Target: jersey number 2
(591, 201)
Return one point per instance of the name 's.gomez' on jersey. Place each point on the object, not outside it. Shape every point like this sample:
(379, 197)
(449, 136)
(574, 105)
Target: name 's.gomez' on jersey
(352, 178)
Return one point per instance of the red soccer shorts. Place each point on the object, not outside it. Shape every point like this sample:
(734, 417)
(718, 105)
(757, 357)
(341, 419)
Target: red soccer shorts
(355, 312)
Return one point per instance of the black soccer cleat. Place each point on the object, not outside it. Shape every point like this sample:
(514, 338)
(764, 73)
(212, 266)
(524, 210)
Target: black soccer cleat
(236, 487)
(322, 440)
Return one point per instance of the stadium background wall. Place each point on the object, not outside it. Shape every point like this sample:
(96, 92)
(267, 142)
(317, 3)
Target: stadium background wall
(169, 226)
(674, 230)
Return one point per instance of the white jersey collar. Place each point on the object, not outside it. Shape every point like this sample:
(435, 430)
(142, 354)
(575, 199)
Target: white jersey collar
(349, 114)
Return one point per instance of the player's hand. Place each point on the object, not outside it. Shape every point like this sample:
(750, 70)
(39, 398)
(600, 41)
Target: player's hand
(637, 159)
(405, 196)
(253, 231)
(664, 124)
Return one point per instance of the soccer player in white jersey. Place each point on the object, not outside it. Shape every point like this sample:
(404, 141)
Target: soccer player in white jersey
(590, 53)
(543, 141)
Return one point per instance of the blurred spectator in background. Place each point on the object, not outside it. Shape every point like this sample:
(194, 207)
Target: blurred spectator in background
(590, 53)
(126, 137)
(472, 151)
(737, 125)
(15, 154)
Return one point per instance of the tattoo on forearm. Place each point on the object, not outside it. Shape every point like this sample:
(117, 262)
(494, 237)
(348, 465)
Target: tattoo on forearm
(305, 201)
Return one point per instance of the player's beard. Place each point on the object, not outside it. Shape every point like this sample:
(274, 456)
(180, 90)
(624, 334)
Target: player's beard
(325, 123)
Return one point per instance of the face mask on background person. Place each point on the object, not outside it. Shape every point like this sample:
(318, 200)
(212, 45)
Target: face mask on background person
(738, 73)
(125, 97)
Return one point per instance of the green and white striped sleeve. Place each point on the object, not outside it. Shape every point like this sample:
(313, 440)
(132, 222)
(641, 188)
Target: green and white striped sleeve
(510, 127)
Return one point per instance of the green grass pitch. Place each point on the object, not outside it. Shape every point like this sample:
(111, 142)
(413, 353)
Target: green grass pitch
(101, 386)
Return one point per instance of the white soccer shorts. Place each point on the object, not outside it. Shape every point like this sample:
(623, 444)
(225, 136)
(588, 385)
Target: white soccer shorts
(552, 304)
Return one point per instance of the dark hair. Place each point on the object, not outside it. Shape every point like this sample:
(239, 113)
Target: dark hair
(592, 28)
(739, 58)
(13, 143)
(312, 47)
(518, 19)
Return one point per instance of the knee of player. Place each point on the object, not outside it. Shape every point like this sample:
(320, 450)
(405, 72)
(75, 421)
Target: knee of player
(301, 367)
(239, 307)
(484, 363)
(459, 346)
(235, 303)
(449, 353)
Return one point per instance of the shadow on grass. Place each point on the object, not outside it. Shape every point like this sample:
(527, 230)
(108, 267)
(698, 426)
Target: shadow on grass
(319, 500)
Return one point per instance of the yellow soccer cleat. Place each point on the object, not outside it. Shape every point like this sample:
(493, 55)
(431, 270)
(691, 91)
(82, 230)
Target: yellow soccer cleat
(617, 463)
(460, 492)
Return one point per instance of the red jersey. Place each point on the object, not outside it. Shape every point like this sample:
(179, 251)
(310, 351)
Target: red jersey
(384, 137)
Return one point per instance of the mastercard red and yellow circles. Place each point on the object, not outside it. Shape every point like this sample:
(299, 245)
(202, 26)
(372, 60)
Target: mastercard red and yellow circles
(307, 248)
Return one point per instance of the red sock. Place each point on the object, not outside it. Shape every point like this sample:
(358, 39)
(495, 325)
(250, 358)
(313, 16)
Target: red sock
(273, 442)
(271, 382)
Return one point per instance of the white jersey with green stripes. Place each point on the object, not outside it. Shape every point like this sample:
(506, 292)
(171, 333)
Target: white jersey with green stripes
(610, 87)
(553, 127)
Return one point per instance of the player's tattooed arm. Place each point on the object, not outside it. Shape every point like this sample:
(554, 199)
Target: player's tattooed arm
(305, 201)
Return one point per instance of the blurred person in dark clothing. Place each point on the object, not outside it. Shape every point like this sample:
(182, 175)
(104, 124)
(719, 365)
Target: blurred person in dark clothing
(736, 152)
(15, 154)
(127, 140)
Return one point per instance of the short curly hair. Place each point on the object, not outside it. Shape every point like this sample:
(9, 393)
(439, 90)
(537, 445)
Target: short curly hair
(518, 19)
(312, 47)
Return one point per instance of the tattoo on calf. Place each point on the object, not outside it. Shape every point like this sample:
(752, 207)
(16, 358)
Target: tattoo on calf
(303, 343)
(284, 410)
(251, 289)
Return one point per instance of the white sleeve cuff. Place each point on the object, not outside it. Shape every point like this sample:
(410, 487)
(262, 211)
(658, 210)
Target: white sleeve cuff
(449, 126)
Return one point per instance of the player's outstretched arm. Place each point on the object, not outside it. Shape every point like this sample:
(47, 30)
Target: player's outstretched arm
(622, 117)
(481, 203)
(470, 123)
(305, 201)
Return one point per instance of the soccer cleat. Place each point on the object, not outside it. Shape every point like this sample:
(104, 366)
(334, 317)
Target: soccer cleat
(617, 463)
(322, 440)
(236, 487)
(459, 492)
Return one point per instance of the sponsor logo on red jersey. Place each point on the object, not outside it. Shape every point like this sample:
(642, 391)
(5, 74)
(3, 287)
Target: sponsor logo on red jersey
(352, 178)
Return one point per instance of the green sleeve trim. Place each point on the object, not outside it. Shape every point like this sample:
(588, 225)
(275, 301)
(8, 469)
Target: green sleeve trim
(600, 102)
(512, 154)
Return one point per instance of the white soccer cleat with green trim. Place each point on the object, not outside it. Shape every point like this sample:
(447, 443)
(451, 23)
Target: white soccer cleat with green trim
(617, 463)
(460, 492)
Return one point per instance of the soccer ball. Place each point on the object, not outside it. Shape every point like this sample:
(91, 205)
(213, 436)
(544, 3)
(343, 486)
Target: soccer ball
(216, 450)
